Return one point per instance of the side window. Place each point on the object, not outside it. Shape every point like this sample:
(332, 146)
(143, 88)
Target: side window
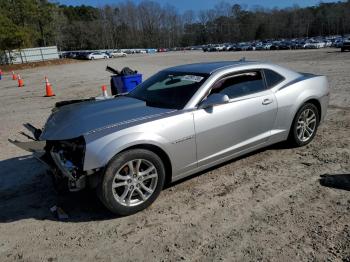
(272, 78)
(240, 84)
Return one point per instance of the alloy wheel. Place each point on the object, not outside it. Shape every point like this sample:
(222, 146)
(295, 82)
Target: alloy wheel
(306, 125)
(134, 182)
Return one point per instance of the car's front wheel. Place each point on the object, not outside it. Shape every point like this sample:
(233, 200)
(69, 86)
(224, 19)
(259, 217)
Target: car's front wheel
(132, 181)
(304, 125)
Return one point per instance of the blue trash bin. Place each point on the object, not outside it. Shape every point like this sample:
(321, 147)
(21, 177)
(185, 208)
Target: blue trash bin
(124, 84)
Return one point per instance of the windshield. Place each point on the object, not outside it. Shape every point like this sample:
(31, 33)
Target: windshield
(168, 89)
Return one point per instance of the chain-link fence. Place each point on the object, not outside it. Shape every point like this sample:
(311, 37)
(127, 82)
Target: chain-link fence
(27, 55)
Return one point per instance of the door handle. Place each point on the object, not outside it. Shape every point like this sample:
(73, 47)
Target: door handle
(267, 101)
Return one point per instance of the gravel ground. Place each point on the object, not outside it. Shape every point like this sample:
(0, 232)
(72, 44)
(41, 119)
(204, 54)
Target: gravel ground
(278, 204)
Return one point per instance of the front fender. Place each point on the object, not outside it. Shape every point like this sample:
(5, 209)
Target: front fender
(100, 151)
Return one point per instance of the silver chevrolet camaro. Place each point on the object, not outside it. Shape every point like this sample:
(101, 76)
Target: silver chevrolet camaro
(178, 122)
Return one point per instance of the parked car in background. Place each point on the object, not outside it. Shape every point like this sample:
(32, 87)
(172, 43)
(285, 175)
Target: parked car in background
(71, 54)
(205, 48)
(128, 147)
(345, 44)
(97, 55)
(209, 48)
(259, 46)
(118, 53)
(283, 45)
(314, 44)
(267, 46)
(109, 54)
(231, 47)
(243, 47)
(337, 43)
(220, 48)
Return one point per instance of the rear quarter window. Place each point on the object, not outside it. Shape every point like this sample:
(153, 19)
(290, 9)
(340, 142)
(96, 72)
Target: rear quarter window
(272, 78)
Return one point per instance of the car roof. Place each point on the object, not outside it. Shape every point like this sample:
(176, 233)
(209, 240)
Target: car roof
(209, 67)
(213, 67)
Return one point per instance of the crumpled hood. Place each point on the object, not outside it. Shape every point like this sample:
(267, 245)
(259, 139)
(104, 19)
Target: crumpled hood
(74, 120)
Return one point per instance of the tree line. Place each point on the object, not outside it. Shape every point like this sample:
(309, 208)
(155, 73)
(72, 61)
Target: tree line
(32, 23)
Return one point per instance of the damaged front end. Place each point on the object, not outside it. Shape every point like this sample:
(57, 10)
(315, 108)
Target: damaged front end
(65, 158)
(68, 158)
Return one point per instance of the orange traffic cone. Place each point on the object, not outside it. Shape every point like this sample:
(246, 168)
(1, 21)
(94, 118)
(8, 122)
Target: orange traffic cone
(14, 76)
(20, 81)
(104, 91)
(49, 91)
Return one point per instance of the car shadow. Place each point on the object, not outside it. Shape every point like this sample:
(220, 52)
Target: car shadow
(26, 191)
(337, 181)
(278, 146)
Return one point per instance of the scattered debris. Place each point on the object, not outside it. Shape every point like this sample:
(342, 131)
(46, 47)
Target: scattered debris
(59, 212)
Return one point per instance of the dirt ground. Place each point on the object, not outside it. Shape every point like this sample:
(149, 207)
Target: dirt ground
(278, 204)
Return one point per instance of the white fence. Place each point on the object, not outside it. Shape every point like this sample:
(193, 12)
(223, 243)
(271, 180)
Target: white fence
(27, 55)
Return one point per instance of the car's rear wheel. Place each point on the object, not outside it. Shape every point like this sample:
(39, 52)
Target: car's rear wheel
(304, 125)
(132, 181)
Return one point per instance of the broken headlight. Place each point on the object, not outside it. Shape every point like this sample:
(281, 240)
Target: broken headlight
(68, 155)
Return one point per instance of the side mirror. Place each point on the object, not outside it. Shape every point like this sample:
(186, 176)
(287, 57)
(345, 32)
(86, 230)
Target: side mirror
(214, 99)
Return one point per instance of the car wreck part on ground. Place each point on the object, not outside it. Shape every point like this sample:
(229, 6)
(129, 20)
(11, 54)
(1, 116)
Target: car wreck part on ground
(59, 212)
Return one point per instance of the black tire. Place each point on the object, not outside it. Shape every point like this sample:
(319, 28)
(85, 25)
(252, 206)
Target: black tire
(105, 191)
(293, 139)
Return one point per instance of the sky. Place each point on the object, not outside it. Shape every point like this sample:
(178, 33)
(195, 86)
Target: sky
(183, 5)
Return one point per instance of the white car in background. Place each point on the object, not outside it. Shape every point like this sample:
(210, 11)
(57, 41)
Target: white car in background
(97, 55)
(267, 46)
(118, 54)
(314, 45)
(220, 48)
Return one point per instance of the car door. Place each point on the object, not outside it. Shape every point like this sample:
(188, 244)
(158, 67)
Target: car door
(245, 122)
